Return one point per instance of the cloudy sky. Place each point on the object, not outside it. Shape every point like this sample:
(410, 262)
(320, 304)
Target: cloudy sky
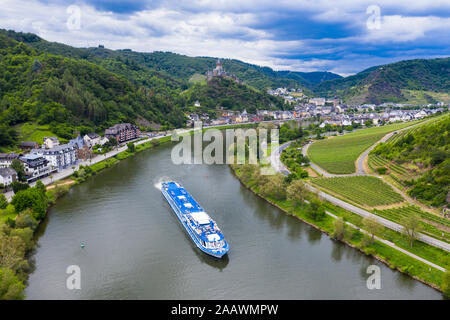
(340, 36)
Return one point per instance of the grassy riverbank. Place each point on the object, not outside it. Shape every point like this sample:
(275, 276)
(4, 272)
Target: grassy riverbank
(20, 219)
(395, 259)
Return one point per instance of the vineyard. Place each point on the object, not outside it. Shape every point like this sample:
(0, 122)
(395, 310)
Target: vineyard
(364, 190)
(398, 172)
(338, 154)
(427, 222)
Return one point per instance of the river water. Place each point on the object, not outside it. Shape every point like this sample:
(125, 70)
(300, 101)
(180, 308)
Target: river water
(135, 247)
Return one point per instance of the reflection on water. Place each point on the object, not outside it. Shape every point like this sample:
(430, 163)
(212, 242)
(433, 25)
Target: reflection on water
(219, 264)
(337, 251)
(137, 249)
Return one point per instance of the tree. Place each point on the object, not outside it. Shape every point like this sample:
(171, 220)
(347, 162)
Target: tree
(372, 226)
(316, 210)
(18, 166)
(11, 288)
(30, 198)
(40, 186)
(274, 188)
(131, 147)
(411, 227)
(17, 186)
(12, 251)
(296, 192)
(339, 228)
(26, 220)
(3, 201)
(112, 142)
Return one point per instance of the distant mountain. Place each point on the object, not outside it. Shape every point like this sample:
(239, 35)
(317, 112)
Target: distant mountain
(180, 66)
(72, 90)
(75, 95)
(414, 81)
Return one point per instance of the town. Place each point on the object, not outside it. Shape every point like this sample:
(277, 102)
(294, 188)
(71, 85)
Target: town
(39, 161)
(326, 111)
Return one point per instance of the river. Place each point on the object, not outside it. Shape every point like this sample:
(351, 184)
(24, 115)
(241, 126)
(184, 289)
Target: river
(135, 247)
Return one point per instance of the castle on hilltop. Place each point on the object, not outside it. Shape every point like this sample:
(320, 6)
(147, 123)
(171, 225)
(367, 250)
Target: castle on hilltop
(219, 71)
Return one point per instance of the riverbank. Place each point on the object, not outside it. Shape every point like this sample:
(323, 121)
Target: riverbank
(25, 221)
(354, 235)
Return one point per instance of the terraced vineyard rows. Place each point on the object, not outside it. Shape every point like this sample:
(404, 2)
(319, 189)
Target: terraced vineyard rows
(377, 161)
(397, 214)
(364, 190)
(396, 136)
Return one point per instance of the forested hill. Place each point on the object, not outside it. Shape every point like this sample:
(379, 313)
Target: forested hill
(414, 81)
(71, 90)
(73, 95)
(424, 157)
(180, 66)
(230, 95)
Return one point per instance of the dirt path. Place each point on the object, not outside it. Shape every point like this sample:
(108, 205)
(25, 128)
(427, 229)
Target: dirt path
(65, 183)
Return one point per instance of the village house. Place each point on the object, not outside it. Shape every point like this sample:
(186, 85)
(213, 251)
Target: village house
(7, 176)
(82, 149)
(28, 145)
(91, 139)
(317, 101)
(59, 157)
(50, 142)
(123, 132)
(36, 167)
(7, 158)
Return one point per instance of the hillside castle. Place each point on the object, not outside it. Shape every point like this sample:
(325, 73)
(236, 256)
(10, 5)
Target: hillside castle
(218, 71)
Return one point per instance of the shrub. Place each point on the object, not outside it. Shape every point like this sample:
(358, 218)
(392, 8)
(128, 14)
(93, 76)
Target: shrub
(316, 210)
(17, 186)
(30, 198)
(11, 288)
(339, 229)
(381, 170)
(274, 188)
(296, 192)
(26, 220)
(3, 201)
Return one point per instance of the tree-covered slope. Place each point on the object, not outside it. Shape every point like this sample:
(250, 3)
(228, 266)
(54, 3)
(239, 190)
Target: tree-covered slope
(388, 83)
(229, 95)
(71, 95)
(425, 153)
(67, 89)
(179, 66)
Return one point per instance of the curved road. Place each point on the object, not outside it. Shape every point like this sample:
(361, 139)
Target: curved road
(279, 167)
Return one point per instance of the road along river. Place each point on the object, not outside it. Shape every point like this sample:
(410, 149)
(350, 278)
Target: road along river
(136, 249)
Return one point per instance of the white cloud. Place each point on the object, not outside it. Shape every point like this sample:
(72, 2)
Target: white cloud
(226, 29)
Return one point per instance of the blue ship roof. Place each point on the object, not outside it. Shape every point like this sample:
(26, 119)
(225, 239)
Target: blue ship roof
(182, 197)
(199, 220)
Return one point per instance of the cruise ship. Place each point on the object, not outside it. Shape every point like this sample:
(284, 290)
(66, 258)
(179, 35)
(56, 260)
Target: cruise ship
(203, 230)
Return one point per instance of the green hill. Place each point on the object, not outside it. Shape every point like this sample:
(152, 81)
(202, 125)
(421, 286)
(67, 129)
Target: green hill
(418, 81)
(177, 66)
(229, 95)
(72, 95)
(68, 89)
(421, 160)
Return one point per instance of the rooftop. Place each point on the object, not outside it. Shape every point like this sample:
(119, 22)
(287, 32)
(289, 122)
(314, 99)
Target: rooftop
(6, 172)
